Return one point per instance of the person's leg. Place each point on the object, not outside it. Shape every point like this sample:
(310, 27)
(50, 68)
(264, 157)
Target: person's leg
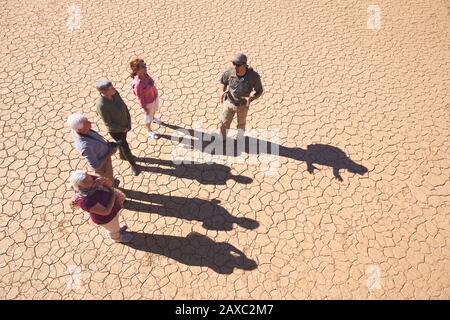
(152, 108)
(152, 118)
(100, 171)
(227, 117)
(106, 170)
(149, 119)
(148, 124)
(113, 228)
(109, 169)
(121, 155)
(152, 115)
(117, 231)
(156, 107)
(118, 136)
(126, 151)
(242, 118)
(124, 148)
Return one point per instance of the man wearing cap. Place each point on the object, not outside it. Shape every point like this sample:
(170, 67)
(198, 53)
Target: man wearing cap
(116, 117)
(237, 85)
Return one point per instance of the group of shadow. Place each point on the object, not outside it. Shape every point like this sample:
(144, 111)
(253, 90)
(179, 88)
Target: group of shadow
(197, 249)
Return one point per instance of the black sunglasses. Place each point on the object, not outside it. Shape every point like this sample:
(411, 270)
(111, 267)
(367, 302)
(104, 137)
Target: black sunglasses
(238, 64)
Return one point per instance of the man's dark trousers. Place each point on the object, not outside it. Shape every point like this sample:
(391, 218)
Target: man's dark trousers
(124, 148)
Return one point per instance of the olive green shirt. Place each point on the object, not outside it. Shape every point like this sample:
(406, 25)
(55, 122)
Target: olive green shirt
(114, 113)
(239, 87)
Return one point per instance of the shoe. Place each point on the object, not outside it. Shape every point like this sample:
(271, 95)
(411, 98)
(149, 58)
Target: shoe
(135, 170)
(124, 238)
(152, 134)
(156, 120)
(123, 227)
(116, 183)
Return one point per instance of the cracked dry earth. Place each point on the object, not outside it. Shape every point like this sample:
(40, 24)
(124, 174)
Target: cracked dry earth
(336, 92)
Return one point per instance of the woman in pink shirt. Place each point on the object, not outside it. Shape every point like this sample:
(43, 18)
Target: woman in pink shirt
(146, 93)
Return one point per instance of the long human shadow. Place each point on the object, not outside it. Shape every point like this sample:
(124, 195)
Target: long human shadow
(321, 154)
(213, 215)
(204, 173)
(194, 250)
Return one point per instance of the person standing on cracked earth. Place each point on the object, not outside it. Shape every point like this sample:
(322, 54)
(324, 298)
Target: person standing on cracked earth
(116, 116)
(97, 196)
(96, 150)
(238, 83)
(144, 89)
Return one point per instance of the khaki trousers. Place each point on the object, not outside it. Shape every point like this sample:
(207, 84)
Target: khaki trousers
(228, 112)
(106, 170)
(113, 227)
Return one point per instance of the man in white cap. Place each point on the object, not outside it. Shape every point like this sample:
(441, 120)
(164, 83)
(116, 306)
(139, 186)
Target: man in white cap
(237, 85)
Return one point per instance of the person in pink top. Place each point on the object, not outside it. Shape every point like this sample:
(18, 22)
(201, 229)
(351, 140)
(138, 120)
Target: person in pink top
(146, 93)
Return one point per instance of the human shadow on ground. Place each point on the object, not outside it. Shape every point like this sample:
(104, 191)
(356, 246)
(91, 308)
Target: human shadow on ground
(194, 250)
(213, 215)
(204, 173)
(314, 154)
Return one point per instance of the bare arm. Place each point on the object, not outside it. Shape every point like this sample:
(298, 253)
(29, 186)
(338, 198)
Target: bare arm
(258, 88)
(222, 91)
(224, 81)
(102, 181)
(258, 91)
